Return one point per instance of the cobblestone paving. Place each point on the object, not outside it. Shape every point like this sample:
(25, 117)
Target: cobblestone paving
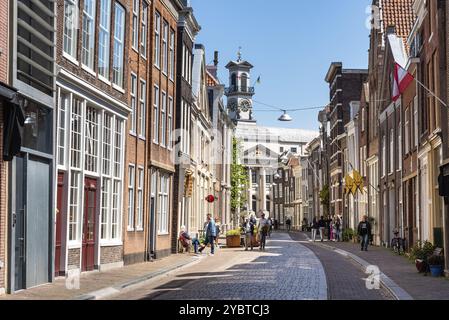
(402, 271)
(286, 271)
(345, 279)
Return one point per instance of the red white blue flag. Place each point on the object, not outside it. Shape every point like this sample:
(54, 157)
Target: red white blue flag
(402, 79)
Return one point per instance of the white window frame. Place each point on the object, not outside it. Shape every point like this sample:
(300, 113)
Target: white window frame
(75, 204)
(164, 119)
(140, 193)
(104, 42)
(63, 110)
(107, 144)
(142, 109)
(163, 205)
(91, 136)
(170, 122)
(88, 36)
(131, 195)
(133, 93)
(70, 27)
(165, 28)
(157, 40)
(119, 47)
(135, 26)
(156, 98)
(106, 196)
(172, 54)
(391, 151)
(144, 22)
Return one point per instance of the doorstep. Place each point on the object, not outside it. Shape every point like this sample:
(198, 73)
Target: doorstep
(101, 285)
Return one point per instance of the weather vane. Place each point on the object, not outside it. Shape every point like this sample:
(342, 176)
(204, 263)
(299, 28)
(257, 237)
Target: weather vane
(239, 54)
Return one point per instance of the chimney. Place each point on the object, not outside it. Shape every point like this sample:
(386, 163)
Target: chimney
(213, 70)
(216, 58)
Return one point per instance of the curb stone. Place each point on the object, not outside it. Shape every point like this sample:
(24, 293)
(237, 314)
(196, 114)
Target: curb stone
(397, 292)
(110, 291)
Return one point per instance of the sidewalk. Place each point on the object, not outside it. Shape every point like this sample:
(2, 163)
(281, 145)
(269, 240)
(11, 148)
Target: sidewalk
(400, 269)
(96, 285)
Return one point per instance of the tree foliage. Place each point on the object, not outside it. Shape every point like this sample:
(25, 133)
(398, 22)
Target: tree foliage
(239, 178)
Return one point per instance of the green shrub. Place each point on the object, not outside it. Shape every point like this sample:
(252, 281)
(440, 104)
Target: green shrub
(348, 234)
(422, 250)
(231, 233)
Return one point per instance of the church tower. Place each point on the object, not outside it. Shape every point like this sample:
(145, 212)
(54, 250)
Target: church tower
(240, 92)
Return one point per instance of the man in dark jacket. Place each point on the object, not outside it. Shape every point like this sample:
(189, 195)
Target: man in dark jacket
(364, 232)
(322, 226)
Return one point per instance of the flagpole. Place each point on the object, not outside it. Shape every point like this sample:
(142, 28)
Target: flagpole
(431, 93)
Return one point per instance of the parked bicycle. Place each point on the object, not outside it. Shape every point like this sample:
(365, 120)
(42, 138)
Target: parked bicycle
(398, 244)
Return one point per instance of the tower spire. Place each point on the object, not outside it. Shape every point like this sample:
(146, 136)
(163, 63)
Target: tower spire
(239, 55)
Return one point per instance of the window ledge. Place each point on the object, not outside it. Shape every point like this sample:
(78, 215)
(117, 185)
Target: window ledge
(111, 243)
(118, 88)
(88, 70)
(139, 230)
(142, 138)
(130, 229)
(70, 58)
(100, 77)
(163, 234)
(74, 245)
(132, 133)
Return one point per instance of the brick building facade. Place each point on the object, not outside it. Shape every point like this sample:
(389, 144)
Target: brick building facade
(93, 108)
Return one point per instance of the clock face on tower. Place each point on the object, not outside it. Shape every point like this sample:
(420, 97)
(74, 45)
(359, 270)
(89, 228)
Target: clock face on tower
(245, 105)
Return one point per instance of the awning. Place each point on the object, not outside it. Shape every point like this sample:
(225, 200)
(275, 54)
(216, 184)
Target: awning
(13, 118)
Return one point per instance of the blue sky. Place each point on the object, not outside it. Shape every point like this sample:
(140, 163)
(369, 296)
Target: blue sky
(291, 43)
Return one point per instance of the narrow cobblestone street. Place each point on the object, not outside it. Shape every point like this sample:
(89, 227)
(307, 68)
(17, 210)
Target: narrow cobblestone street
(288, 270)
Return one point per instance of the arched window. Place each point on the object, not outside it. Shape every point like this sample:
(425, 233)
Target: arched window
(244, 84)
(234, 80)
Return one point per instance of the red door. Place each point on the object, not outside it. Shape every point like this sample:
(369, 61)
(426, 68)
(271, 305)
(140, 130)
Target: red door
(59, 214)
(89, 224)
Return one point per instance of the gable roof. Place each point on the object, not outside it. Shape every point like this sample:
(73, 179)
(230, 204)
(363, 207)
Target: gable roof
(398, 14)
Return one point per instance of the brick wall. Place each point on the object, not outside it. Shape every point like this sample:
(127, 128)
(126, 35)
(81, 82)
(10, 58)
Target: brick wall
(111, 254)
(76, 69)
(74, 259)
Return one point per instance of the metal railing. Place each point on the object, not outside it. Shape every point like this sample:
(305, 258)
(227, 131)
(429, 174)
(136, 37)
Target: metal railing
(239, 89)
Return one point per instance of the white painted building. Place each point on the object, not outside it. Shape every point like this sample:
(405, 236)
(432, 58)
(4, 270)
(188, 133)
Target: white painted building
(262, 147)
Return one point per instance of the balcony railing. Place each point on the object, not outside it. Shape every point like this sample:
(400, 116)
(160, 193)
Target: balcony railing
(239, 89)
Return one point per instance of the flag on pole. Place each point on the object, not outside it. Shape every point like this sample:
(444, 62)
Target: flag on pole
(402, 79)
(258, 80)
(358, 181)
(349, 184)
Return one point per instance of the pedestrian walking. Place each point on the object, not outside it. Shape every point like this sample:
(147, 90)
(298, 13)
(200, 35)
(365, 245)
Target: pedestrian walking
(217, 232)
(338, 229)
(288, 222)
(270, 230)
(263, 231)
(364, 231)
(248, 229)
(210, 231)
(322, 226)
(315, 228)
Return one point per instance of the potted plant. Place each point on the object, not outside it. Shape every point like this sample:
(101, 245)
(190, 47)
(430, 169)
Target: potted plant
(233, 238)
(436, 264)
(349, 235)
(421, 253)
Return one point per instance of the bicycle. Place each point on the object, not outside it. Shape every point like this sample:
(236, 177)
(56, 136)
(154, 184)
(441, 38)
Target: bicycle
(398, 244)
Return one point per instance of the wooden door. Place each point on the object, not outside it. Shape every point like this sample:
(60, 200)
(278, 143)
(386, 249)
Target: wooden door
(59, 214)
(89, 224)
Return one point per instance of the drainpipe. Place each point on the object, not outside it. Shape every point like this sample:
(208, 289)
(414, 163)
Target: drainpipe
(444, 38)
